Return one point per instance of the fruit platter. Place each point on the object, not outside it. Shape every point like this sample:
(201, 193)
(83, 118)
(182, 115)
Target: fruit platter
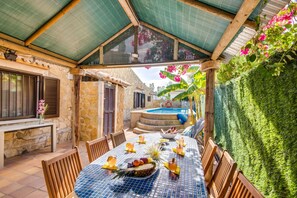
(139, 169)
(169, 134)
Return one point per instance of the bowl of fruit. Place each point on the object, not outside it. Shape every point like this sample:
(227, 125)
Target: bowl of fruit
(140, 169)
(169, 134)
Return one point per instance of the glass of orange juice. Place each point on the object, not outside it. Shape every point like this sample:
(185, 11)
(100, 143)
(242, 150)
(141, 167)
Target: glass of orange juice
(179, 149)
(172, 165)
(129, 146)
(111, 160)
(141, 138)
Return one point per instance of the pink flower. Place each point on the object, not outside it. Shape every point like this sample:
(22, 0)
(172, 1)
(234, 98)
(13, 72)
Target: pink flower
(262, 37)
(177, 78)
(162, 75)
(184, 72)
(266, 54)
(147, 67)
(171, 68)
(244, 51)
(186, 66)
(265, 47)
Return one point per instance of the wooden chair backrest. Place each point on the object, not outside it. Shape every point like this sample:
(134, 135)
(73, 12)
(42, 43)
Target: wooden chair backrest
(208, 154)
(97, 148)
(222, 176)
(118, 138)
(60, 173)
(242, 188)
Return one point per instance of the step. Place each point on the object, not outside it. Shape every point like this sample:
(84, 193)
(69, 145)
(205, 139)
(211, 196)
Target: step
(156, 116)
(159, 122)
(142, 131)
(156, 127)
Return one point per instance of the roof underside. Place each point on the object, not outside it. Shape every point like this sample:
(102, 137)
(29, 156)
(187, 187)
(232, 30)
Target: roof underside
(91, 22)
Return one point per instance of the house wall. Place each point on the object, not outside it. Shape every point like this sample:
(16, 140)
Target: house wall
(129, 76)
(89, 96)
(91, 109)
(24, 141)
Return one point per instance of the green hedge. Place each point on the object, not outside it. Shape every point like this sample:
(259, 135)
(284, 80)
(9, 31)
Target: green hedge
(256, 121)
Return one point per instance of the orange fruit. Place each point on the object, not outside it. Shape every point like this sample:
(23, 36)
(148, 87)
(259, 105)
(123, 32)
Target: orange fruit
(136, 163)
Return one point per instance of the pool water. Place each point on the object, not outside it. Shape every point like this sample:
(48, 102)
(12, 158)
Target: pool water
(168, 110)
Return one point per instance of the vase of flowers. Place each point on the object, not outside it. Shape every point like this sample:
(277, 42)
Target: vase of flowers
(42, 107)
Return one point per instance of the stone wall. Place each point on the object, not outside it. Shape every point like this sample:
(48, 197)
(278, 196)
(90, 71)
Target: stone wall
(120, 108)
(128, 75)
(89, 111)
(24, 141)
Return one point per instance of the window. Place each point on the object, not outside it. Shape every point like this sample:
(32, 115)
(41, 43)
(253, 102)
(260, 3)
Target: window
(50, 92)
(139, 100)
(18, 95)
(149, 98)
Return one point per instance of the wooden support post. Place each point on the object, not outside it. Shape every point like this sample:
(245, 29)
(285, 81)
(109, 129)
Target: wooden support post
(209, 67)
(101, 55)
(76, 134)
(209, 105)
(135, 59)
(175, 50)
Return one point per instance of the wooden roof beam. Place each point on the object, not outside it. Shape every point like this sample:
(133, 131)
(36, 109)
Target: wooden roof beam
(243, 13)
(34, 52)
(176, 38)
(218, 12)
(102, 66)
(105, 42)
(126, 5)
(51, 22)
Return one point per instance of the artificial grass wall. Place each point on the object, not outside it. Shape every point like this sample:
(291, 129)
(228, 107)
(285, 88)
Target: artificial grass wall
(256, 121)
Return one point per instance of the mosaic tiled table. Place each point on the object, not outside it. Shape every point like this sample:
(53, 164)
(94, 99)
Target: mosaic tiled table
(94, 181)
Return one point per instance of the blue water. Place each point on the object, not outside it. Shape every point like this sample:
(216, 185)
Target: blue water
(168, 110)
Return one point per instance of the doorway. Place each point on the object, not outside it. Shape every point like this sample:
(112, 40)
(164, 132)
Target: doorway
(109, 109)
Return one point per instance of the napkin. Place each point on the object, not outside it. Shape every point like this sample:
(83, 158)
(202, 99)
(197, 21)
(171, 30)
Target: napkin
(182, 154)
(177, 171)
(144, 142)
(106, 166)
(129, 151)
(182, 145)
(164, 140)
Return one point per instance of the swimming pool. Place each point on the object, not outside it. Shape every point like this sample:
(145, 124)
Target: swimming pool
(167, 110)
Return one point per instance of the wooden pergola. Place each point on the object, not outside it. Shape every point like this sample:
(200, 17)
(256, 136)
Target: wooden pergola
(237, 20)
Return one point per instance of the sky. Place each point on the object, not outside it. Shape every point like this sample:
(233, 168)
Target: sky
(151, 75)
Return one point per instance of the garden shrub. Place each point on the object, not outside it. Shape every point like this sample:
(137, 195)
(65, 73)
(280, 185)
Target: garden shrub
(256, 121)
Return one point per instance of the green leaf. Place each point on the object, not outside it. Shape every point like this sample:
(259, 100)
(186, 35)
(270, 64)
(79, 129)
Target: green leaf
(181, 96)
(172, 87)
(252, 57)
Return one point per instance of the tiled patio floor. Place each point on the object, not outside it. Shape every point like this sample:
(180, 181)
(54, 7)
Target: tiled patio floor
(22, 176)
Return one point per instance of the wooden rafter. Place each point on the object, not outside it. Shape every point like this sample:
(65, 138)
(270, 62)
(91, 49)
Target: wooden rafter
(176, 38)
(126, 5)
(243, 13)
(50, 56)
(105, 42)
(218, 12)
(102, 66)
(51, 22)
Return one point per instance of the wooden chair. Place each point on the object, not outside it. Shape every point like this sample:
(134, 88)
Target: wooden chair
(118, 138)
(242, 188)
(96, 148)
(208, 154)
(60, 173)
(222, 176)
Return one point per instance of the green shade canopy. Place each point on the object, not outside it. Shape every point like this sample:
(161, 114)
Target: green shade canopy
(91, 22)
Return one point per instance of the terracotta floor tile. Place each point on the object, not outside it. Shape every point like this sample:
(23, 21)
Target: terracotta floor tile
(2, 195)
(4, 182)
(37, 183)
(28, 179)
(32, 170)
(37, 194)
(11, 188)
(24, 191)
(16, 176)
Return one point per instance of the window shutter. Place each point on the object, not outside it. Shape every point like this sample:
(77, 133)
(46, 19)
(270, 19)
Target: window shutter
(50, 92)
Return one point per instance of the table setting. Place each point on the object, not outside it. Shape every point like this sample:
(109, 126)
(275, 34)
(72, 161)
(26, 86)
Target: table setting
(146, 166)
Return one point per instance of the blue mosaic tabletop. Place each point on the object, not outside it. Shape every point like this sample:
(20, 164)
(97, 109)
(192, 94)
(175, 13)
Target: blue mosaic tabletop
(94, 181)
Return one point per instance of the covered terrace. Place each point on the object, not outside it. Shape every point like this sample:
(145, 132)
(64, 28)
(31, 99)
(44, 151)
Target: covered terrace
(71, 37)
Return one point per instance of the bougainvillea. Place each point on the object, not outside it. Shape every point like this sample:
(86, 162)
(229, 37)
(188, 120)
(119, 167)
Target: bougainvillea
(279, 35)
